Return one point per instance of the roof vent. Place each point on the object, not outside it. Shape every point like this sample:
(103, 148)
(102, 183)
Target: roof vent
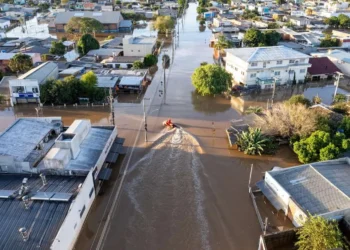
(26, 201)
(24, 188)
(23, 231)
(43, 179)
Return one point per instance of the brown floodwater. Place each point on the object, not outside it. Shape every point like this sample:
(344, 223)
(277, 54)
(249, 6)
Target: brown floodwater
(183, 189)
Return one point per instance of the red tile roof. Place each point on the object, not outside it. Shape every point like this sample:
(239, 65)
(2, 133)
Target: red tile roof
(322, 65)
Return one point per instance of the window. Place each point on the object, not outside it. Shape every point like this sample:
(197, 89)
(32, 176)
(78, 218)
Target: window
(253, 75)
(268, 62)
(236, 68)
(277, 73)
(82, 211)
(279, 62)
(302, 71)
(302, 60)
(291, 61)
(132, 51)
(139, 50)
(254, 64)
(264, 65)
(242, 73)
(91, 192)
(35, 90)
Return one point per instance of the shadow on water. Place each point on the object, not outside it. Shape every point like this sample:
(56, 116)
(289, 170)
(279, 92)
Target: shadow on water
(209, 104)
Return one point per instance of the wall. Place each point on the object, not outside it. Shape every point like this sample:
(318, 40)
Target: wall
(71, 226)
(277, 188)
(141, 50)
(30, 86)
(296, 214)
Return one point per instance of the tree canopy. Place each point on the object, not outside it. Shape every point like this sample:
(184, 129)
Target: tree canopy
(223, 43)
(137, 65)
(57, 48)
(83, 25)
(211, 79)
(86, 43)
(20, 63)
(255, 38)
(150, 60)
(328, 41)
(319, 233)
(164, 23)
(298, 99)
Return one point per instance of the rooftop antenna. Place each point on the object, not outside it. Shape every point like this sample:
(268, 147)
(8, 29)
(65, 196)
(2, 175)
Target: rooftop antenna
(43, 178)
(25, 200)
(23, 231)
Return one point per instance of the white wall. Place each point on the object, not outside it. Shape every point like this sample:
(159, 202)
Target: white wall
(277, 188)
(138, 49)
(28, 84)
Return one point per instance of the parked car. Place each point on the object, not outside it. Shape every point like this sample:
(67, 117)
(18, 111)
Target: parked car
(239, 90)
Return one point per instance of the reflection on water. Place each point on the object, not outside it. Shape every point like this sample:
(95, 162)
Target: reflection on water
(208, 104)
(167, 195)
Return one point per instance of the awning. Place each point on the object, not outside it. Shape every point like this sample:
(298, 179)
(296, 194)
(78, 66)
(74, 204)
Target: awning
(105, 174)
(271, 195)
(112, 157)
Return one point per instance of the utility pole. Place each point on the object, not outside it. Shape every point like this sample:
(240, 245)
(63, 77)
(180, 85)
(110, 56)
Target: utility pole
(250, 178)
(339, 75)
(164, 87)
(110, 99)
(274, 88)
(144, 117)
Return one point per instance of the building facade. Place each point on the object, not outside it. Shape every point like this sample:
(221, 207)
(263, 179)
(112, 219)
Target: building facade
(266, 65)
(139, 46)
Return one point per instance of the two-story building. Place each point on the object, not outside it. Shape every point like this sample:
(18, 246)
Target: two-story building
(110, 21)
(299, 21)
(139, 46)
(266, 65)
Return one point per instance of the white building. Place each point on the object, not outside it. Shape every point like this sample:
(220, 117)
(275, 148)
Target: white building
(25, 89)
(265, 65)
(139, 46)
(4, 24)
(320, 188)
(340, 58)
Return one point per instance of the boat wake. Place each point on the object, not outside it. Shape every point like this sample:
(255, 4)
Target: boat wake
(168, 197)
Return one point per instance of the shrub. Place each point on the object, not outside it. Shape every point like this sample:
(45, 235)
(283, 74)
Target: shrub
(252, 142)
(150, 60)
(137, 65)
(299, 99)
(254, 109)
(316, 100)
(339, 98)
(340, 107)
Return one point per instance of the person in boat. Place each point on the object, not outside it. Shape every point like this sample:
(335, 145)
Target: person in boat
(168, 123)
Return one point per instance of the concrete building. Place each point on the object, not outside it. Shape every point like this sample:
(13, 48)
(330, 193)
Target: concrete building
(266, 65)
(320, 188)
(139, 46)
(110, 20)
(340, 58)
(49, 178)
(25, 89)
(299, 21)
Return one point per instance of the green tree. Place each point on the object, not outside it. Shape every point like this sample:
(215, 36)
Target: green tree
(250, 14)
(254, 109)
(57, 48)
(345, 125)
(316, 100)
(83, 25)
(89, 84)
(280, 2)
(344, 21)
(328, 41)
(332, 21)
(329, 152)
(273, 26)
(87, 43)
(137, 65)
(20, 63)
(150, 60)
(252, 142)
(222, 43)
(272, 37)
(44, 7)
(319, 233)
(339, 98)
(211, 79)
(164, 24)
(298, 99)
(254, 38)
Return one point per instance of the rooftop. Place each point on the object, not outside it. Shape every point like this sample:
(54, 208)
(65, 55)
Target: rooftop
(318, 187)
(44, 216)
(25, 134)
(104, 17)
(40, 72)
(272, 53)
(321, 65)
(107, 81)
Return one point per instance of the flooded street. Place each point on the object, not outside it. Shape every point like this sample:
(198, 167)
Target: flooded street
(183, 189)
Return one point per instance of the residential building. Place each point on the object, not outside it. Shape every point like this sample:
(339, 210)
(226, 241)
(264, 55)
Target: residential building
(26, 88)
(320, 188)
(167, 12)
(6, 57)
(340, 59)
(139, 46)
(121, 62)
(299, 21)
(49, 178)
(4, 23)
(321, 68)
(110, 20)
(266, 65)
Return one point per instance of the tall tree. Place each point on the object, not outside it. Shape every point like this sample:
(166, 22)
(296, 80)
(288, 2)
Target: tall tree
(223, 43)
(87, 43)
(272, 37)
(57, 48)
(211, 79)
(83, 25)
(254, 38)
(319, 233)
(20, 63)
(164, 24)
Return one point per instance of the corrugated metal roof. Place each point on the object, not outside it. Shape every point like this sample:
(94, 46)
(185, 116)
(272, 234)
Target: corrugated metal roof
(43, 218)
(103, 17)
(41, 72)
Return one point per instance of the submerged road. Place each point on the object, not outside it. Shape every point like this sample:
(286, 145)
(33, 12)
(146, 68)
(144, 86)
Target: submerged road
(184, 189)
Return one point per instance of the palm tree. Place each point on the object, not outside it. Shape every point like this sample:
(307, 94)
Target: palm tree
(252, 142)
(221, 44)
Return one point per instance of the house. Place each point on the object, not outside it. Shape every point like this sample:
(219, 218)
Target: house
(167, 12)
(139, 46)
(6, 57)
(120, 62)
(52, 174)
(4, 23)
(299, 21)
(25, 89)
(343, 37)
(320, 188)
(340, 59)
(266, 65)
(321, 68)
(110, 20)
